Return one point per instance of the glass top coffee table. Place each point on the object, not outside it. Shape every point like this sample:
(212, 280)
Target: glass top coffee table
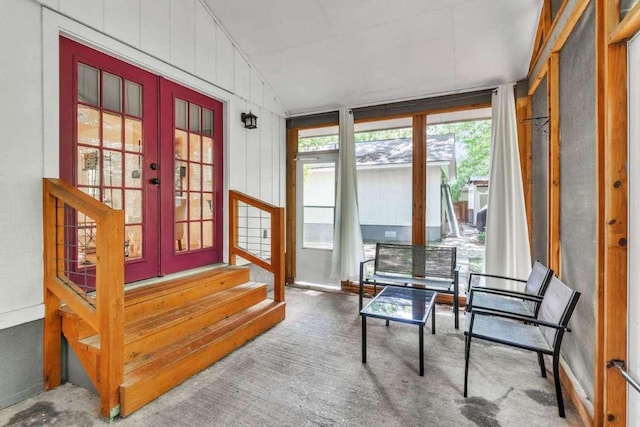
(401, 304)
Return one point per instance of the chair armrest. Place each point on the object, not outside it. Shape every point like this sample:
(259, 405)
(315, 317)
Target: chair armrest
(493, 276)
(497, 276)
(362, 267)
(476, 311)
(506, 293)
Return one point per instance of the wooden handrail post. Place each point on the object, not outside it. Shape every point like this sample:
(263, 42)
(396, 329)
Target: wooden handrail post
(233, 225)
(277, 254)
(51, 340)
(276, 262)
(110, 309)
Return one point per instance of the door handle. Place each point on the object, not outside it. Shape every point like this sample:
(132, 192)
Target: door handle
(154, 181)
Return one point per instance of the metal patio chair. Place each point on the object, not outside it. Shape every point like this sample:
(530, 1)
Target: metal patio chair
(542, 335)
(524, 303)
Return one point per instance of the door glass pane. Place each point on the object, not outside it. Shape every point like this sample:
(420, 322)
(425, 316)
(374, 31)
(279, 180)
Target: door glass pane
(207, 178)
(112, 130)
(112, 197)
(195, 236)
(207, 206)
(88, 85)
(133, 135)
(194, 147)
(207, 122)
(133, 99)
(194, 177)
(181, 114)
(195, 207)
(181, 236)
(318, 205)
(112, 168)
(207, 234)
(181, 145)
(133, 171)
(111, 92)
(88, 126)
(194, 118)
(207, 150)
(181, 182)
(88, 167)
(133, 207)
(133, 241)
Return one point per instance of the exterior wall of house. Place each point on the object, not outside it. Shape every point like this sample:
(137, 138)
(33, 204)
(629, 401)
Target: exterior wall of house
(434, 205)
(178, 39)
(384, 204)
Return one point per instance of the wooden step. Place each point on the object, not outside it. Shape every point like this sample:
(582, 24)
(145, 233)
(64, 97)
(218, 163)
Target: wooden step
(142, 301)
(150, 376)
(147, 334)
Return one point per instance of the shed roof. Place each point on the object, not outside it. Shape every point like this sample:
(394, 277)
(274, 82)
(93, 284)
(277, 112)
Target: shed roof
(440, 148)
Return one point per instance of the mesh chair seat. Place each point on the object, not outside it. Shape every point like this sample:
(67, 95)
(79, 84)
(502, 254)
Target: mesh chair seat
(516, 333)
(502, 303)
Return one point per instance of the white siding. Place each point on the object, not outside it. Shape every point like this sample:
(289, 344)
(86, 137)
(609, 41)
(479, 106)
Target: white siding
(122, 20)
(183, 34)
(155, 21)
(434, 206)
(180, 40)
(21, 163)
(384, 195)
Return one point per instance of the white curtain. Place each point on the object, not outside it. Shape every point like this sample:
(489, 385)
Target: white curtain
(347, 236)
(507, 238)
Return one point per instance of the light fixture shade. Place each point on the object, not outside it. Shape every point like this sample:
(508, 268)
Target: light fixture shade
(249, 120)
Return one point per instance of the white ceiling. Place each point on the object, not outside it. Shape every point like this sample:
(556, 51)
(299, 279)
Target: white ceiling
(319, 55)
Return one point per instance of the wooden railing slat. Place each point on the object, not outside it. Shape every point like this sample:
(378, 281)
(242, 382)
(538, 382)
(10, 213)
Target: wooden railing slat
(276, 264)
(107, 317)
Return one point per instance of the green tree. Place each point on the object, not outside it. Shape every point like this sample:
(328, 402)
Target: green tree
(473, 139)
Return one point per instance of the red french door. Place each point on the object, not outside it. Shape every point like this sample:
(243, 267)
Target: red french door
(191, 165)
(116, 147)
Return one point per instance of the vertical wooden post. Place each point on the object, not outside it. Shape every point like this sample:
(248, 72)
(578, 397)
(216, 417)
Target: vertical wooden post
(292, 152)
(419, 208)
(110, 309)
(52, 340)
(554, 164)
(523, 111)
(615, 188)
(277, 255)
(233, 227)
(601, 114)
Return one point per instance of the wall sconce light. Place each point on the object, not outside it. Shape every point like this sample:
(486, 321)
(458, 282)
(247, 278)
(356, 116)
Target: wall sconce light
(249, 120)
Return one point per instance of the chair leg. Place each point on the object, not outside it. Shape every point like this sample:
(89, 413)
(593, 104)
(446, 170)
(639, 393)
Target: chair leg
(556, 379)
(467, 350)
(543, 370)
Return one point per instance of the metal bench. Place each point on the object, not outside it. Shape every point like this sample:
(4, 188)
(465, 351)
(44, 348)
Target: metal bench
(427, 267)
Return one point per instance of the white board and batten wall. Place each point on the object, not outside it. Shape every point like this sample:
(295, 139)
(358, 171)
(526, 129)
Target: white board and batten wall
(177, 39)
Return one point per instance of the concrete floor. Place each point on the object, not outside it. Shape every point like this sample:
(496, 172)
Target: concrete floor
(307, 371)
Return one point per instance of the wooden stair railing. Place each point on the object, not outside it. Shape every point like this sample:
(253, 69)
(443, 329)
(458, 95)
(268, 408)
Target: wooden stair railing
(102, 311)
(256, 233)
